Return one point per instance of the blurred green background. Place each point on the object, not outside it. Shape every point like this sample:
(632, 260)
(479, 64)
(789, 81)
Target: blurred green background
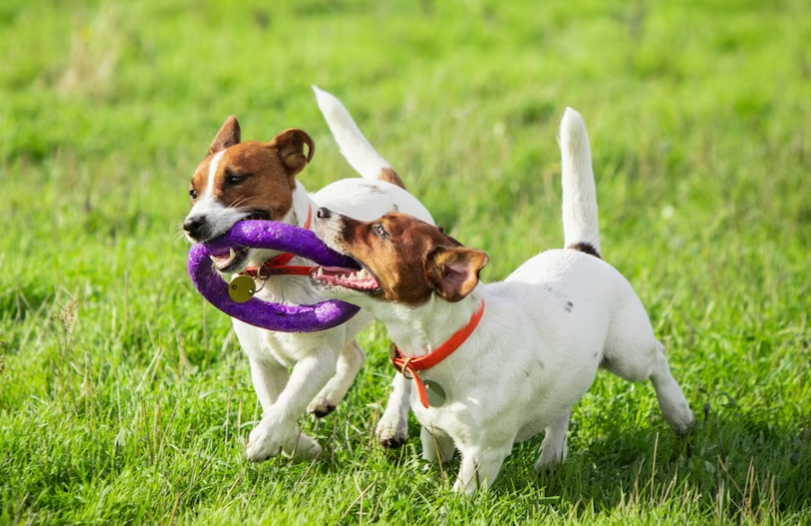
(124, 399)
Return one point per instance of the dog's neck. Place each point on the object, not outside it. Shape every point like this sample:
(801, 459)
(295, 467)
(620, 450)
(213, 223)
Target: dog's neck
(302, 207)
(419, 330)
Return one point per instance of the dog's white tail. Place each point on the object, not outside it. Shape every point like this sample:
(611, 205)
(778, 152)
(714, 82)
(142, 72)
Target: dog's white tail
(580, 228)
(351, 142)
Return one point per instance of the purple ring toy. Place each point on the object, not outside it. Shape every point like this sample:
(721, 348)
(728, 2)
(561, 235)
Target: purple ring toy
(276, 236)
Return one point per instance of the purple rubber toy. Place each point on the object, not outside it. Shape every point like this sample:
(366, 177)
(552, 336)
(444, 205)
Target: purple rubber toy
(276, 236)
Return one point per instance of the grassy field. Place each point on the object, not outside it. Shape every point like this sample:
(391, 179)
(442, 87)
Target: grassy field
(123, 396)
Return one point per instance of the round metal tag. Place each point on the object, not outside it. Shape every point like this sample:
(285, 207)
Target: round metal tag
(436, 394)
(241, 289)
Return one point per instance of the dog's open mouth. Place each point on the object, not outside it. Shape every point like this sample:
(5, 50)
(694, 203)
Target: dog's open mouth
(229, 261)
(232, 260)
(361, 280)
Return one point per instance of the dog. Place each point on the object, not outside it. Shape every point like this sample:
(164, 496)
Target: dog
(526, 349)
(255, 180)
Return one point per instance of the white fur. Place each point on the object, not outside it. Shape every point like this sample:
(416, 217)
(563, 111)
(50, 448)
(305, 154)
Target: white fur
(579, 194)
(325, 362)
(544, 333)
(351, 142)
(212, 174)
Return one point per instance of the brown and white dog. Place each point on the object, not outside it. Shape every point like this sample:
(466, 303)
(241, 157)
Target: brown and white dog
(255, 180)
(526, 349)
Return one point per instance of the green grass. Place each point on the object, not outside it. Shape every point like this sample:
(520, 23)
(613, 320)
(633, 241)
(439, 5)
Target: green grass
(123, 398)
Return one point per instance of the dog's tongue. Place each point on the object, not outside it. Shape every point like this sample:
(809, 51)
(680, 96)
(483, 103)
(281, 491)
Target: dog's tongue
(346, 277)
(223, 259)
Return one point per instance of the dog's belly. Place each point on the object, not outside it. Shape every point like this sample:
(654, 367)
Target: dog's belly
(514, 405)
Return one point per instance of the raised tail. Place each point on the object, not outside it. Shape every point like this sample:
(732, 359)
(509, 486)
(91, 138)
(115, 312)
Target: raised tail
(580, 228)
(351, 142)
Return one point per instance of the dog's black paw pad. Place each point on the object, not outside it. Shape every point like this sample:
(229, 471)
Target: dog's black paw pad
(323, 411)
(393, 443)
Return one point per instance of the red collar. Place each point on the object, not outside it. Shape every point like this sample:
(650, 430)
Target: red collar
(412, 365)
(279, 264)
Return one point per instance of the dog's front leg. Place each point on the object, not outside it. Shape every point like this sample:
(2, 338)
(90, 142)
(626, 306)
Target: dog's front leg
(479, 468)
(269, 380)
(436, 446)
(278, 431)
(392, 429)
(553, 448)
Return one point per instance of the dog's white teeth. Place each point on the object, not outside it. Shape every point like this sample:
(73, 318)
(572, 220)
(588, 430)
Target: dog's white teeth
(213, 258)
(232, 254)
(363, 274)
(320, 271)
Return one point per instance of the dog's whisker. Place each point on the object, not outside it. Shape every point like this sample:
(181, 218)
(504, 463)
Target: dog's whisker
(236, 204)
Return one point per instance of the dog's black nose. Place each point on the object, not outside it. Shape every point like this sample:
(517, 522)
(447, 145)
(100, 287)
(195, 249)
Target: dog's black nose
(323, 213)
(194, 225)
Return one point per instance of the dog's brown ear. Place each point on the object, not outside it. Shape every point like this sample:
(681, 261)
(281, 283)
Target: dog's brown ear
(290, 144)
(454, 272)
(229, 135)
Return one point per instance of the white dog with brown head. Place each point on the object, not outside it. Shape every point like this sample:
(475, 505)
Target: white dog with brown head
(495, 364)
(255, 180)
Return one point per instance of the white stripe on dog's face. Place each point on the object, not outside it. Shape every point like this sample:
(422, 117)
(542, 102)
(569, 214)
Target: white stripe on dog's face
(214, 217)
(212, 174)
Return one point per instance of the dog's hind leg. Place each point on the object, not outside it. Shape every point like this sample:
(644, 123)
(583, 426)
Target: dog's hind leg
(554, 448)
(671, 399)
(350, 361)
(654, 366)
(633, 353)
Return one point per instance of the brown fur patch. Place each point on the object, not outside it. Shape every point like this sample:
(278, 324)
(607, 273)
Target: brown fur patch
(269, 171)
(390, 176)
(411, 259)
(454, 272)
(586, 248)
(230, 134)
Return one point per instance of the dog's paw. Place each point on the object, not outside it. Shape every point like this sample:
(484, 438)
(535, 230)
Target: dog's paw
(263, 443)
(321, 407)
(268, 440)
(305, 449)
(552, 456)
(681, 422)
(392, 436)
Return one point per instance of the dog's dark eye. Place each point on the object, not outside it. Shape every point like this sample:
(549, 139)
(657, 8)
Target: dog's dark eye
(193, 194)
(379, 231)
(235, 180)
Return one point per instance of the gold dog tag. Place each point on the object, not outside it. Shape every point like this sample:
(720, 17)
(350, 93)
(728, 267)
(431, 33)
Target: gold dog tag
(436, 394)
(241, 289)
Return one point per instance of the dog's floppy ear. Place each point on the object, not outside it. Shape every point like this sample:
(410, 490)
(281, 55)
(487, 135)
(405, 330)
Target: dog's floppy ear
(454, 272)
(290, 144)
(229, 135)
